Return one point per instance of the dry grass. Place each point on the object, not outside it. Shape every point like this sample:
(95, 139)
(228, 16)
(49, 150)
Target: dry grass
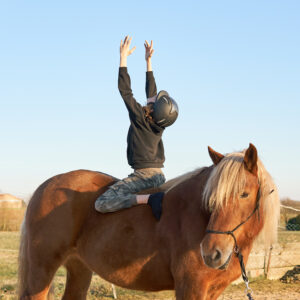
(11, 218)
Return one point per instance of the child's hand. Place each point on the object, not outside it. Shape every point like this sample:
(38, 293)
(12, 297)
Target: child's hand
(124, 47)
(149, 50)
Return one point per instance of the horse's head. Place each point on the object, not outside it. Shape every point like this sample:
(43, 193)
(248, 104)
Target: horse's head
(233, 194)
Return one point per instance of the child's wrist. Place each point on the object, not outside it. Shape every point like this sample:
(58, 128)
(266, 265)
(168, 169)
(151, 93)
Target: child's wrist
(149, 66)
(123, 61)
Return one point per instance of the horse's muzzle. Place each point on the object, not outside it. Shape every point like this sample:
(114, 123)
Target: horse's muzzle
(215, 258)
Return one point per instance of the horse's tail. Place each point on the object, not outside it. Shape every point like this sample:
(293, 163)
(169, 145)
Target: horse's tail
(23, 261)
(23, 265)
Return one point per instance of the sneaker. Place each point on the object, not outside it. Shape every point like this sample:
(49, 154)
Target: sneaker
(155, 202)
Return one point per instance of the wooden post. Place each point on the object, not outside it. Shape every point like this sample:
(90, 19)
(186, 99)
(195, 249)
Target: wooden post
(269, 261)
(114, 291)
(265, 263)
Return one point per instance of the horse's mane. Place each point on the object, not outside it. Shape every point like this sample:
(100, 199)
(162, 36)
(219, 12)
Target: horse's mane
(228, 179)
(172, 183)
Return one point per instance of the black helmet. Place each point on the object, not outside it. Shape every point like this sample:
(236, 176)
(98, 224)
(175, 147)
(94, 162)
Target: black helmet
(165, 110)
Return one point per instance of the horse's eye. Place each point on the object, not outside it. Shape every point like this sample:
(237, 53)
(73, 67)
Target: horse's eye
(244, 195)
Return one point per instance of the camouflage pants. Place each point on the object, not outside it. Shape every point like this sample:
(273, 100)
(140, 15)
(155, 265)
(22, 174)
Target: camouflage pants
(122, 194)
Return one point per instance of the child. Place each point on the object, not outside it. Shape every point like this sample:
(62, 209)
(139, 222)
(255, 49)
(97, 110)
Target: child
(145, 151)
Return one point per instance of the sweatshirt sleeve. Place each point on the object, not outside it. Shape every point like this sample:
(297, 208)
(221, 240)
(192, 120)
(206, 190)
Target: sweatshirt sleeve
(124, 84)
(151, 90)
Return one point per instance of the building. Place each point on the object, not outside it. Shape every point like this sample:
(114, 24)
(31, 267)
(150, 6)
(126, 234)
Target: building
(10, 201)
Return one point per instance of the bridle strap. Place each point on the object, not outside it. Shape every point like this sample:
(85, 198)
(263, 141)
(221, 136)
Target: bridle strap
(235, 228)
(230, 232)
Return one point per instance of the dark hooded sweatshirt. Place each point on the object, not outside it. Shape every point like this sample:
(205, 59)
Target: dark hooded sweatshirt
(144, 144)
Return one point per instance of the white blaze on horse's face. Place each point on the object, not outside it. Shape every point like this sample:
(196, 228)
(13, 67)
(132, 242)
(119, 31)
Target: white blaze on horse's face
(217, 249)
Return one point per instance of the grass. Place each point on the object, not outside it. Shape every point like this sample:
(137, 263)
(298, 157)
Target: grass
(11, 218)
(9, 240)
(263, 289)
(101, 289)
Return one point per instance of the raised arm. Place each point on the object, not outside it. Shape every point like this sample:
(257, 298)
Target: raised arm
(151, 90)
(148, 55)
(124, 83)
(125, 50)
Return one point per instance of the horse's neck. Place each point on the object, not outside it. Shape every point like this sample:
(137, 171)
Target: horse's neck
(186, 198)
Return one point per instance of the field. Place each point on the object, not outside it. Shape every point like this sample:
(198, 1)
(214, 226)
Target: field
(11, 218)
(263, 289)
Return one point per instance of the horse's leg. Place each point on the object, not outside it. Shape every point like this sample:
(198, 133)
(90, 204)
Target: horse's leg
(215, 295)
(78, 280)
(42, 261)
(216, 291)
(187, 288)
(40, 275)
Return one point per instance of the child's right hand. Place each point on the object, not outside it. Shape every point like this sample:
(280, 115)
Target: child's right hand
(124, 47)
(149, 50)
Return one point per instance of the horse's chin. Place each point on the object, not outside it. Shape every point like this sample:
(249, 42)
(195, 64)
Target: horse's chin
(225, 265)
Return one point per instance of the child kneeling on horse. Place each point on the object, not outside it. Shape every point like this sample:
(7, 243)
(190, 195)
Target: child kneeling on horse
(145, 150)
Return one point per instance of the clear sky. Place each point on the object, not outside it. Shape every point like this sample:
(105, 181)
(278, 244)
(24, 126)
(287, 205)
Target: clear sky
(233, 67)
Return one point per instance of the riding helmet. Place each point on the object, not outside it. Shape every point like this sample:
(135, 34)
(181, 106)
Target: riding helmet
(165, 110)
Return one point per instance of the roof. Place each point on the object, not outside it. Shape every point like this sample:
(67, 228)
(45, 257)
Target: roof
(9, 198)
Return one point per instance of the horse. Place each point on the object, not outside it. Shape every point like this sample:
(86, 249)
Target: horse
(131, 249)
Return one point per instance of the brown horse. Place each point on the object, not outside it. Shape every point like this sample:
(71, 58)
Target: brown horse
(131, 249)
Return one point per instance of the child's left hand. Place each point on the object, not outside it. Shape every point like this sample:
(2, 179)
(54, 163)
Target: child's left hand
(149, 50)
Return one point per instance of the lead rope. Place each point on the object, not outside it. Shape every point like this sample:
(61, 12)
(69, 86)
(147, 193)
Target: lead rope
(248, 290)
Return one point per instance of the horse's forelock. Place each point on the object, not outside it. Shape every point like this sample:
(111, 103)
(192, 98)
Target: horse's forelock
(227, 179)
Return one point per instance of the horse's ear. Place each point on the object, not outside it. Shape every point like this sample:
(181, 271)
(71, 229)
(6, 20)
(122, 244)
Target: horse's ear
(250, 159)
(215, 156)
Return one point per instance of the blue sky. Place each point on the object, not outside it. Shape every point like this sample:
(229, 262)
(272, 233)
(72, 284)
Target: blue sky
(233, 67)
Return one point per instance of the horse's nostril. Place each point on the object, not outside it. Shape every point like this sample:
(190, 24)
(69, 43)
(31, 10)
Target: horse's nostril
(217, 255)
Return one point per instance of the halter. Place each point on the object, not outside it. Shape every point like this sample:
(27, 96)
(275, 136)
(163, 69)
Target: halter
(236, 249)
(230, 232)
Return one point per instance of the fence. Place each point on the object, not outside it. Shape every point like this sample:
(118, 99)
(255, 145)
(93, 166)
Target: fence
(280, 258)
(275, 262)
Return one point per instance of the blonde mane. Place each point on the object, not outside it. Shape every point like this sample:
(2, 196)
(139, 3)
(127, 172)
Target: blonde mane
(172, 183)
(228, 179)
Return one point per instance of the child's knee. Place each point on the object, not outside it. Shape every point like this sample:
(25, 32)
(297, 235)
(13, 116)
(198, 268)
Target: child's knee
(110, 202)
(99, 206)
(103, 203)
